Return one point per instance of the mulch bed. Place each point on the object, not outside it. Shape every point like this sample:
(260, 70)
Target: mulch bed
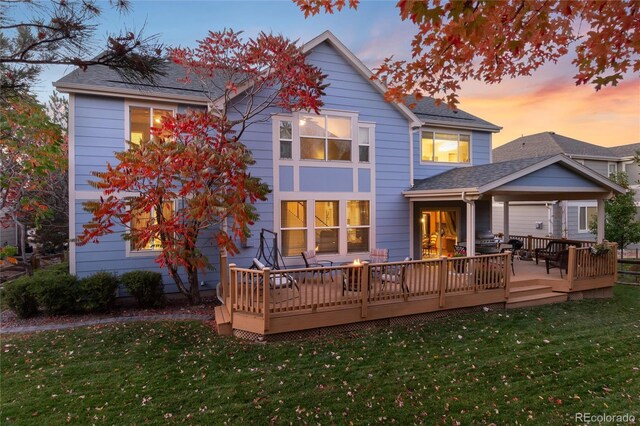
(174, 307)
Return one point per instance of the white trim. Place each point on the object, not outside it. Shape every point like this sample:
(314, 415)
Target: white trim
(72, 88)
(411, 156)
(71, 133)
(435, 130)
(585, 206)
(128, 103)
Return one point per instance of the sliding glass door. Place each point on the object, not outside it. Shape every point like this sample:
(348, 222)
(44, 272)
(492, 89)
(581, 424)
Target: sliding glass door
(439, 233)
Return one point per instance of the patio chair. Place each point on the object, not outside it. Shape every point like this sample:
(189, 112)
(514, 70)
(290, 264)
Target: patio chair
(377, 255)
(396, 277)
(277, 279)
(311, 261)
(503, 247)
(560, 260)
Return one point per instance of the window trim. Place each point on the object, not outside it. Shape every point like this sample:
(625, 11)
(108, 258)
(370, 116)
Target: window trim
(139, 104)
(586, 208)
(341, 198)
(130, 252)
(435, 130)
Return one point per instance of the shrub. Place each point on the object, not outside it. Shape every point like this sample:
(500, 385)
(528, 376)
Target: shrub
(98, 291)
(146, 287)
(18, 296)
(57, 293)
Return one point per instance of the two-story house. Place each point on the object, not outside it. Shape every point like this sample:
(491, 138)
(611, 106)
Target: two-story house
(362, 174)
(557, 217)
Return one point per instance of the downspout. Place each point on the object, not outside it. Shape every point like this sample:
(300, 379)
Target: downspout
(471, 226)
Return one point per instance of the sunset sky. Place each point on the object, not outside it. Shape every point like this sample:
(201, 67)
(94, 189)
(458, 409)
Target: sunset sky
(547, 101)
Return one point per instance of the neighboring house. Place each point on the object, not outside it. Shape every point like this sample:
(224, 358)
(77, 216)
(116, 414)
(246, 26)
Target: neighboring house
(558, 217)
(363, 174)
(8, 232)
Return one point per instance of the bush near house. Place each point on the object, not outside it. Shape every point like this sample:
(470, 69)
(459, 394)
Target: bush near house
(98, 291)
(146, 287)
(59, 293)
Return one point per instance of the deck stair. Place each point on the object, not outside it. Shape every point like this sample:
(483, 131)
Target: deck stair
(533, 294)
(223, 321)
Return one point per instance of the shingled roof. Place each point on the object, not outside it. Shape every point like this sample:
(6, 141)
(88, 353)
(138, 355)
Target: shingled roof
(432, 114)
(628, 150)
(551, 143)
(475, 176)
(101, 76)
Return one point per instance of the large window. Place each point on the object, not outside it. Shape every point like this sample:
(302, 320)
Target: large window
(141, 220)
(142, 119)
(293, 227)
(358, 224)
(445, 147)
(586, 214)
(327, 226)
(339, 227)
(325, 137)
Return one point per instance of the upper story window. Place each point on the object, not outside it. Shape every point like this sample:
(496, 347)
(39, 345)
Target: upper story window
(325, 137)
(286, 140)
(442, 147)
(363, 144)
(142, 119)
(613, 168)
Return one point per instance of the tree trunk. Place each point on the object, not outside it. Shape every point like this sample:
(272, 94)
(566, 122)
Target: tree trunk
(194, 289)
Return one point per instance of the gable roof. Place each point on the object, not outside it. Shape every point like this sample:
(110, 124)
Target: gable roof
(477, 180)
(106, 81)
(551, 143)
(441, 115)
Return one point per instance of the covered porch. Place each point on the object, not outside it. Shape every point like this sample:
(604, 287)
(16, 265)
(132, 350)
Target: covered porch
(455, 207)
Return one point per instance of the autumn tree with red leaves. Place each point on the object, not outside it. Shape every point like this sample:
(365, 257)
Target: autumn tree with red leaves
(32, 160)
(196, 162)
(488, 40)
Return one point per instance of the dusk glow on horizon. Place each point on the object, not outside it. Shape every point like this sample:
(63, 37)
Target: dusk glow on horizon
(546, 101)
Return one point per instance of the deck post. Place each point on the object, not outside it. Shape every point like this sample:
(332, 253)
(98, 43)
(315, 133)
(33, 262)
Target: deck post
(364, 290)
(571, 266)
(233, 291)
(614, 247)
(266, 295)
(507, 275)
(442, 280)
(530, 244)
(224, 275)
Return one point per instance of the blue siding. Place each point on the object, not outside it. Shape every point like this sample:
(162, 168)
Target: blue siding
(364, 180)
(480, 154)
(349, 91)
(110, 254)
(286, 178)
(99, 132)
(324, 179)
(549, 177)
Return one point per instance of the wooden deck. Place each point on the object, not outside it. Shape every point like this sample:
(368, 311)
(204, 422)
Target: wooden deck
(270, 302)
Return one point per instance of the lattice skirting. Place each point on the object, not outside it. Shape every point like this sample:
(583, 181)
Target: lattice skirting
(357, 326)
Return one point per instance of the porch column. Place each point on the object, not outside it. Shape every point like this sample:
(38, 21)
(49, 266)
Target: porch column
(505, 223)
(600, 234)
(471, 228)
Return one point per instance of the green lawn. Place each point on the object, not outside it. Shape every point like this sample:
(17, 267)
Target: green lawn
(540, 365)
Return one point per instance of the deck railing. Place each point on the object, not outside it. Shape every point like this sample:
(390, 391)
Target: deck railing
(271, 293)
(585, 264)
(531, 243)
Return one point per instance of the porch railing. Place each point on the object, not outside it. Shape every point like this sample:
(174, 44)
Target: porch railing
(271, 293)
(583, 264)
(531, 242)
